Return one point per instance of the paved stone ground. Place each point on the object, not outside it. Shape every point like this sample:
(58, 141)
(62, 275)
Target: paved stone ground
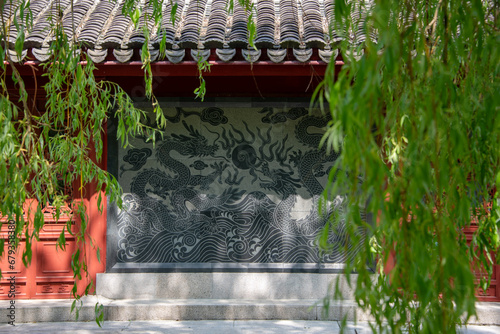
(207, 327)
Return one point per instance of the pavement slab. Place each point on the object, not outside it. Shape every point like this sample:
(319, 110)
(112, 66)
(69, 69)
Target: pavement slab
(210, 327)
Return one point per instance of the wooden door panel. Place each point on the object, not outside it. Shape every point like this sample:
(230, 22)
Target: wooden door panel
(53, 290)
(50, 274)
(21, 290)
(52, 261)
(19, 269)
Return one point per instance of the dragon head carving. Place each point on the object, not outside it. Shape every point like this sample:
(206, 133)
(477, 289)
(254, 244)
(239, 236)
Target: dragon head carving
(196, 144)
(281, 181)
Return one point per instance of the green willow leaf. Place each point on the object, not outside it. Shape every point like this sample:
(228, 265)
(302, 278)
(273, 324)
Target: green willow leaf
(173, 13)
(136, 15)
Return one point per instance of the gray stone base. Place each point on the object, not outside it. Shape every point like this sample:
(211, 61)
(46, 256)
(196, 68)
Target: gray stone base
(248, 286)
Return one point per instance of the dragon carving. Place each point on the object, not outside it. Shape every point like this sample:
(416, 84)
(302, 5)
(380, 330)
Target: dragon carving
(168, 205)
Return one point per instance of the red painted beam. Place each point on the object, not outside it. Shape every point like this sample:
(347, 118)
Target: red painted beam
(218, 68)
(189, 69)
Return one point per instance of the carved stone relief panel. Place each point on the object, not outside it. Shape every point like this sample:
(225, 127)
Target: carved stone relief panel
(231, 185)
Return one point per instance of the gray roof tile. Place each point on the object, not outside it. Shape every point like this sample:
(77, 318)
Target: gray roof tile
(289, 24)
(95, 24)
(116, 34)
(266, 24)
(238, 37)
(99, 25)
(216, 26)
(193, 22)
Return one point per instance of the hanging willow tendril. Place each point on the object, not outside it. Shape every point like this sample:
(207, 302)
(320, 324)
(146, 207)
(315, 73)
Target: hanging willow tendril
(417, 117)
(39, 150)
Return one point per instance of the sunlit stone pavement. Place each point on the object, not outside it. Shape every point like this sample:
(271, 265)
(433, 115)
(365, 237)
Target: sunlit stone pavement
(208, 327)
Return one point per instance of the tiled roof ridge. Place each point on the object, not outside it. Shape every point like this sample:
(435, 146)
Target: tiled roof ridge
(99, 26)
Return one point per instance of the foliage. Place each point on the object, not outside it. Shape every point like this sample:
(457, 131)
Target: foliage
(42, 153)
(416, 115)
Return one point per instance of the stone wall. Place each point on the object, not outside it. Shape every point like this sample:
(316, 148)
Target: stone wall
(230, 188)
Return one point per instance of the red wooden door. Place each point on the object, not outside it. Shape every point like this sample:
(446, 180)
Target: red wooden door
(50, 274)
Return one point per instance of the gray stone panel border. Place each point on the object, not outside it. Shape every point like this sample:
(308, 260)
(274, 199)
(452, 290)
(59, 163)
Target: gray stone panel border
(112, 266)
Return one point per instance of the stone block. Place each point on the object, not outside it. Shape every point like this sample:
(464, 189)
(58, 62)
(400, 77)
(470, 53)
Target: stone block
(154, 285)
(487, 314)
(242, 285)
